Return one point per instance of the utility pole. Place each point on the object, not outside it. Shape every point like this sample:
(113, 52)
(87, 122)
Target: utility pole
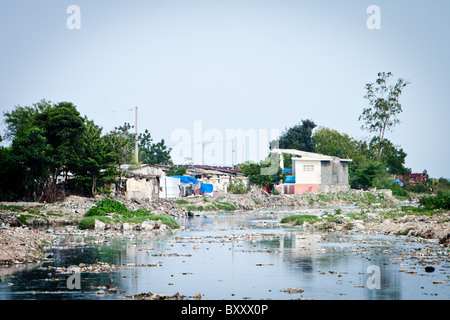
(232, 153)
(136, 149)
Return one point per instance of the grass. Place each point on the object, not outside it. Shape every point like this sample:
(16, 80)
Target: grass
(405, 232)
(89, 222)
(163, 218)
(181, 202)
(121, 214)
(300, 219)
(13, 208)
(211, 206)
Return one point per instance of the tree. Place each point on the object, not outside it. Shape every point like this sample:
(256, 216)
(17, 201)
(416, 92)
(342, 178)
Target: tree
(120, 144)
(298, 137)
(92, 165)
(333, 143)
(393, 156)
(153, 153)
(44, 138)
(384, 106)
(365, 175)
(254, 174)
(176, 171)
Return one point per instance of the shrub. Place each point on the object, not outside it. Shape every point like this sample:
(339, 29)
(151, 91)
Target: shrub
(300, 218)
(163, 218)
(225, 206)
(237, 187)
(89, 222)
(440, 201)
(106, 206)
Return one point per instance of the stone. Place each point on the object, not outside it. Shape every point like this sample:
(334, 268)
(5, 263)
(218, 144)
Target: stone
(429, 269)
(359, 226)
(127, 226)
(99, 225)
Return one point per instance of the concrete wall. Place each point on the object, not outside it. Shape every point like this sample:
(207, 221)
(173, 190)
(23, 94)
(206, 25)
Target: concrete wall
(333, 188)
(295, 188)
(148, 171)
(334, 172)
(302, 171)
(142, 189)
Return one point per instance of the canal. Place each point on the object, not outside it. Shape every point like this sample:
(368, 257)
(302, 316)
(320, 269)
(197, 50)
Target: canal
(238, 256)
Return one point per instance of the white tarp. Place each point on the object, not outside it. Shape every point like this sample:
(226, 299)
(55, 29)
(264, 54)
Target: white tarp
(169, 187)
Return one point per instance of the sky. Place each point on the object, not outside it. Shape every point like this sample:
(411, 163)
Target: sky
(205, 74)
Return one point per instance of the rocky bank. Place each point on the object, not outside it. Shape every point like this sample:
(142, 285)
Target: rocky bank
(19, 245)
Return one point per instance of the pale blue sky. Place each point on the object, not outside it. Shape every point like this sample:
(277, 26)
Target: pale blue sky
(249, 64)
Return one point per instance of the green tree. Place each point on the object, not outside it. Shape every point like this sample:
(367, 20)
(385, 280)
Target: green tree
(44, 138)
(393, 156)
(365, 174)
(92, 165)
(333, 143)
(254, 173)
(153, 153)
(176, 171)
(121, 144)
(384, 107)
(298, 137)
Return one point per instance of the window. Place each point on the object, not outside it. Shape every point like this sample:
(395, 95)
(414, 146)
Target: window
(308, 167)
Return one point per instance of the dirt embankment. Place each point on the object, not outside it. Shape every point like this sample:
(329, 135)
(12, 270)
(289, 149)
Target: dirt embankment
(71, 211)
(258, 199)
(20, 245)
(436, 226)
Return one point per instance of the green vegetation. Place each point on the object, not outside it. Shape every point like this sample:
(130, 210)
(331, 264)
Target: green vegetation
(13, 208)
(300, 219)
(120, 213)
(105, 206)
(89, 222)
(237, 187)
(405, 232)
(176, 171)
(48, 140)
(212, 206)
(298, 137)
(440, 201)
(163, 218)
(265, 173)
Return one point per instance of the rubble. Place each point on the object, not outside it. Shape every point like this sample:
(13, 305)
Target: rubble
(19, 245)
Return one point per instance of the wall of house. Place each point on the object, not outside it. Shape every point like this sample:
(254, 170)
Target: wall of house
(334, 172)
(333, 188)
(148, 171)
(307, 171)
(142, 189)
(295, 188)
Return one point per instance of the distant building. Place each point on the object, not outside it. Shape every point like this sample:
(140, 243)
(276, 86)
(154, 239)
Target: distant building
(413, 178)
(314, 173)
(143, 182)
(219, 177)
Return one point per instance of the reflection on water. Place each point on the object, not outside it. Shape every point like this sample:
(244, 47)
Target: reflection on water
(225, 256)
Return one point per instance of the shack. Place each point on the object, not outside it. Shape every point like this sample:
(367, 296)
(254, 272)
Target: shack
(143, 182)
(314, 173)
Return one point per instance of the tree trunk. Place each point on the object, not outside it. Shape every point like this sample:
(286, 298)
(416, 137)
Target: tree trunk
(94, 184)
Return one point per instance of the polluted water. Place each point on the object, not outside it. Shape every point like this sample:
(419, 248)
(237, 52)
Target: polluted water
(236, 256)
